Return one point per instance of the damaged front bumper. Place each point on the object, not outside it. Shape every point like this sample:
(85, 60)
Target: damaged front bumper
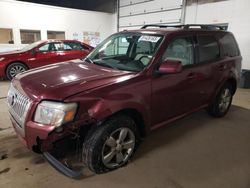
(52, 143)
(61, 167)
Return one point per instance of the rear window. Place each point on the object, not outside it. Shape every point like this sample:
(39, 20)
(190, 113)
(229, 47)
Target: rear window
(208, 48)
(230, 47)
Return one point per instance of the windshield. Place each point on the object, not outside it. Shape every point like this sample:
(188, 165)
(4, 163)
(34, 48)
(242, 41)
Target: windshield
(30, 46)
(126, 51)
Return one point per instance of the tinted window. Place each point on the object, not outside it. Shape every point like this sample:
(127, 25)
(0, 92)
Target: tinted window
(57, 47)
(51, 47)
(208, 48)
(45, 48)
(180, 49)
(230, 47)
(68, 46)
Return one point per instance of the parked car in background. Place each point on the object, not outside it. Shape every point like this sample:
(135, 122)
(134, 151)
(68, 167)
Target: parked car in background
(39, 54)
(132, 83)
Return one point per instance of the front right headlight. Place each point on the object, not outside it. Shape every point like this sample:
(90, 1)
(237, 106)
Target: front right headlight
(55, 113)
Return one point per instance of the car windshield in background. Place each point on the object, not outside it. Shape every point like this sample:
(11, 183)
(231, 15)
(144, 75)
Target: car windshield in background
(30, 46)
(126, 51)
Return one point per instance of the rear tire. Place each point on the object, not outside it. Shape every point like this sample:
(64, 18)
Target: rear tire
(222, 102)
(15, 68)
(111, 145)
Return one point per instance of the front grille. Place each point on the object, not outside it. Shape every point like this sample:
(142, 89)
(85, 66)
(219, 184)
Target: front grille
(18, 107)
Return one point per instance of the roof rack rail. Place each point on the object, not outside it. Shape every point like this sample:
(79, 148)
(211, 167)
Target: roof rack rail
(159, 25)
(188, 26)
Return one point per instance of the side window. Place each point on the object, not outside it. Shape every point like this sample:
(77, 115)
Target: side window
(230, 47)
(180, 49)
(85, 47)
(47, 48)
(44, 48)
(57, 47)
(68, 46)
(208, 48)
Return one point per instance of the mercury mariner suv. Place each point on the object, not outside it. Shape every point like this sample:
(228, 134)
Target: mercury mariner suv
(132, 83)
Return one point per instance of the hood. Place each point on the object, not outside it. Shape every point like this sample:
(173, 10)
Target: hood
(61, 80)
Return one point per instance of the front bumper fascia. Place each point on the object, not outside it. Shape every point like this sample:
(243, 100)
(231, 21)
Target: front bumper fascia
(61, 167)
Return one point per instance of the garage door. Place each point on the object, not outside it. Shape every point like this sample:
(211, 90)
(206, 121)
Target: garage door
(136, 13)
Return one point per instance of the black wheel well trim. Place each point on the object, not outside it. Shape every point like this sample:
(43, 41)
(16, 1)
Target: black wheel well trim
(135, 115)
(232, 81)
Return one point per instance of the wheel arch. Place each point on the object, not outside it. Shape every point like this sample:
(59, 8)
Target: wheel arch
(103, 110)
(232, 81)
(136, 116)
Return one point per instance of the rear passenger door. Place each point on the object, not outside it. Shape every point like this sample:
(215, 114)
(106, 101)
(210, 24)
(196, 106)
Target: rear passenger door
(74, 50)
(209, 64)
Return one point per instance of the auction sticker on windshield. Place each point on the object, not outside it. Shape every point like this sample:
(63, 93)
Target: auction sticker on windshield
(149, 38)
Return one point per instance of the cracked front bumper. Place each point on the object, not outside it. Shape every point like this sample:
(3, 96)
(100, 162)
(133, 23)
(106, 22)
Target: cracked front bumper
(61, 167)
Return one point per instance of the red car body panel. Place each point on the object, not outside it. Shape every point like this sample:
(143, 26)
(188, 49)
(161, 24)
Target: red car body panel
(32, 58)
(101, 92)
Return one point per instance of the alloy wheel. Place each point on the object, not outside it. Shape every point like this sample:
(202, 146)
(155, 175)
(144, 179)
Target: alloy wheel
(16, 70)
(118, 148)
(225, 99)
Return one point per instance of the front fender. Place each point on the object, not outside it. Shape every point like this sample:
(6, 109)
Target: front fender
(104, 109)
(99, 109)
(101, 103)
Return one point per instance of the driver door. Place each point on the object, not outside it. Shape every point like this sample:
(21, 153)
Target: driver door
(176, 94)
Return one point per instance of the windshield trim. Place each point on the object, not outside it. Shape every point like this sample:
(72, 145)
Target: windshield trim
(32, 45)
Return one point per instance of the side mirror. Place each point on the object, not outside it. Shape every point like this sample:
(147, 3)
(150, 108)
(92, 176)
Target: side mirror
(170, 67)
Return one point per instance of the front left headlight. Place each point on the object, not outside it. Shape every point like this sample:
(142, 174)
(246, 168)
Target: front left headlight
(2, 58)
(55, 113)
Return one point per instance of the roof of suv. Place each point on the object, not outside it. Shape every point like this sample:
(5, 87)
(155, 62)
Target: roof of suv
(166, 29)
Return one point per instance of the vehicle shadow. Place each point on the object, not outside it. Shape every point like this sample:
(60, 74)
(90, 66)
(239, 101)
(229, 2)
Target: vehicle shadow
(175, 131)
(162, 138)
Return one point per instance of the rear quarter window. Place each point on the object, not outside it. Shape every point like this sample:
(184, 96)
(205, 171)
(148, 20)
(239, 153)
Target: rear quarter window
(208, 48)
(230, 47)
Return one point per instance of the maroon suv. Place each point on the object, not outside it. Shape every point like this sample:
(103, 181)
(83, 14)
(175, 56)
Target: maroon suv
(132, 83)
(39, 54)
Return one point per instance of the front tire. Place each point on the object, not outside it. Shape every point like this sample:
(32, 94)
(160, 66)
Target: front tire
(111, 145)
(15, 68)
(222, 102)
